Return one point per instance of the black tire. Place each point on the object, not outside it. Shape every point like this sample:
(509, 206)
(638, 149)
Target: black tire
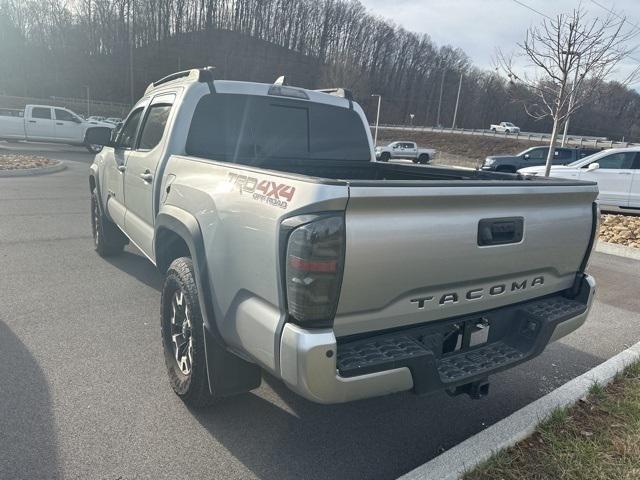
(180, 295)
(385, 156)
(94, 149)
(107, 237)
(493, 130)
(506, 169)
(424, 158)
(507, 131)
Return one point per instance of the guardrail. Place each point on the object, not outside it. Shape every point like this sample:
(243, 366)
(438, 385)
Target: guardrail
(591, 142)
(78, 105)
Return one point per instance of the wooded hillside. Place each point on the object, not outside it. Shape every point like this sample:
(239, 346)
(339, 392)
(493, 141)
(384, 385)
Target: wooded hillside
(56, 47)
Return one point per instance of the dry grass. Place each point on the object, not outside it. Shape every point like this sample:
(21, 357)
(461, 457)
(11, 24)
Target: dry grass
(469, 148)
(599, 439)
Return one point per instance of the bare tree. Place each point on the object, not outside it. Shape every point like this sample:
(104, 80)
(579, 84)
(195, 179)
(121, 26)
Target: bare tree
(571, 57)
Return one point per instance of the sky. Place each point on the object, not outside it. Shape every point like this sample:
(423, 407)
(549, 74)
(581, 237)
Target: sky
(480, 26)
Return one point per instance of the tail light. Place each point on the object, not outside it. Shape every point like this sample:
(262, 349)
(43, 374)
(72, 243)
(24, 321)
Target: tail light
(314, 264)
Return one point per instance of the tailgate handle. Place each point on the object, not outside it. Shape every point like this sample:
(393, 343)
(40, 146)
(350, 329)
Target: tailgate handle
(500, 231)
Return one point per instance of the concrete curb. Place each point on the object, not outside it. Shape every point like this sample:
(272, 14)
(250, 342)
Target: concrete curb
(453, 463)
(619, 250)
(30, 172)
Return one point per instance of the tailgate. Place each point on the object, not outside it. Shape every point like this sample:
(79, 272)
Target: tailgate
(413, 254)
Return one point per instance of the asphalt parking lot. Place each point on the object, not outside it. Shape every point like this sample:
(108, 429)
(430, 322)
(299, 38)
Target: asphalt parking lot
(83, 393)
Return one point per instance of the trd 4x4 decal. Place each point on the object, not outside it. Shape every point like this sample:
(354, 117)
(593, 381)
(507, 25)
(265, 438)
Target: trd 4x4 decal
(265, 191)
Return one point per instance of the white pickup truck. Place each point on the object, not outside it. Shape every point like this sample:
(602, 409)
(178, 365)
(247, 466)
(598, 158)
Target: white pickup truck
(505, 127)
(404, 149)
(286, 247)
(44, 123)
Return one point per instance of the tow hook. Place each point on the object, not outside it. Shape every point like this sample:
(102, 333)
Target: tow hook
(476, 390)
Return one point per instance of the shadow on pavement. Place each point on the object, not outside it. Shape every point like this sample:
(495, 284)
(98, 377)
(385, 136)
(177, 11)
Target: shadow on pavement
(284, 436)
(138, 267)
(27, 432)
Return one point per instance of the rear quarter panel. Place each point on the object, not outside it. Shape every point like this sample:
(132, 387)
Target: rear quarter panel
(241, 231)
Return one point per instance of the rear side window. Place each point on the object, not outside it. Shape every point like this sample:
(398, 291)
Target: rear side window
(563, 154)
(39, 112)
(154, 125)
(254, 129)
(127, 137)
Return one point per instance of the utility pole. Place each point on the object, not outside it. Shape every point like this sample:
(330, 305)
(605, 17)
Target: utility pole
(131, 33)
(573, 92)
(455, 112)
(375, 140)
(440, 101)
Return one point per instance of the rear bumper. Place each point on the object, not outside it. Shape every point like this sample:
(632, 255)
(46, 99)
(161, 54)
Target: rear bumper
(318, 367)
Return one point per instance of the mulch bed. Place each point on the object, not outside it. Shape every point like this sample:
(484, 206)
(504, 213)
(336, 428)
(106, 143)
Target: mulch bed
(620, 229)
(20, 161)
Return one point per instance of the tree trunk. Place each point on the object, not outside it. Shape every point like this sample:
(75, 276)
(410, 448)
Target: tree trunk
(552, 147)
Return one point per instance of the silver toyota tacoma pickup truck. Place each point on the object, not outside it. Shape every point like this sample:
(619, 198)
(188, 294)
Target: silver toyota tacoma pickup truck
(286, 247)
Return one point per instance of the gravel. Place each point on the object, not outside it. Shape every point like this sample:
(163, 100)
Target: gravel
(21, 161)
(620, 229)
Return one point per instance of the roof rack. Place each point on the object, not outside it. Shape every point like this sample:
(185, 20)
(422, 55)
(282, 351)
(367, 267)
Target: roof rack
(204, 75)
(338, 92)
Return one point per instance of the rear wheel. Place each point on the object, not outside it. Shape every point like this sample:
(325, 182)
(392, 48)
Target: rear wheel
(424, 158)
(385, 157)
(182, 335)
(107, 237)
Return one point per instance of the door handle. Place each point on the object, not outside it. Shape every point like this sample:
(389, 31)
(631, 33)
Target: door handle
(121, 168)
(146, 176)
(32, 121)
(624, 173)
(59, 123)
(500, 231)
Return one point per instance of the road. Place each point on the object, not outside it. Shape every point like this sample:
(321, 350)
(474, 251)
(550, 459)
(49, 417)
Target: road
(84, 393)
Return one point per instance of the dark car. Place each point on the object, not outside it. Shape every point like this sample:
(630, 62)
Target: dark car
(534, 156)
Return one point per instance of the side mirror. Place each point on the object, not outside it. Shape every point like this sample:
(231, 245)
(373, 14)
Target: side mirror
(98, 136)
(593, 166)
(526, 156)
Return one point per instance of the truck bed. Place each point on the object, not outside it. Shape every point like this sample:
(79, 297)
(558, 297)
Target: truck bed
(362, 173)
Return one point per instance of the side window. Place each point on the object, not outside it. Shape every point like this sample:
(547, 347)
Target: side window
(538, 154)
(153, 127)
(622, 160)
(563, 154)
(64, 116)
(127, 136)
(39, 112)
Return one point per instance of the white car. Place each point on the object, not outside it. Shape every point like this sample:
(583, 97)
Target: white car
(46, 123)
(616, 170)
(404, 149)
(505, 127)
